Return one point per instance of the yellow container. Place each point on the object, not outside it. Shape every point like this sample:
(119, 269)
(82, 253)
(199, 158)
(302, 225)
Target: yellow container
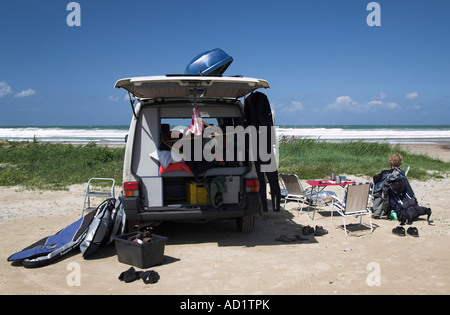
(196, 193)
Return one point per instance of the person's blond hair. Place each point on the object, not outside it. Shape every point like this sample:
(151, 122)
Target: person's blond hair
(395, 159)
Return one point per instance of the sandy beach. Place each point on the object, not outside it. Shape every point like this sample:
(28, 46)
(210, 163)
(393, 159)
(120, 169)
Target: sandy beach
(214, 258)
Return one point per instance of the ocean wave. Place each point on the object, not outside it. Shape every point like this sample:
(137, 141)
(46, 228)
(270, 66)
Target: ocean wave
(361, 134)
(64, 134)
(116, 134)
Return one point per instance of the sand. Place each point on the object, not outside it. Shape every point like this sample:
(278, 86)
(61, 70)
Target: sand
(439, 149)
(213, 258)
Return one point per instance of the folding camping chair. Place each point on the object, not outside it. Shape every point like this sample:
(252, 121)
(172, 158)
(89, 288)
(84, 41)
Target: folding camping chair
(355, 203)
(293, 190)
(90, 193)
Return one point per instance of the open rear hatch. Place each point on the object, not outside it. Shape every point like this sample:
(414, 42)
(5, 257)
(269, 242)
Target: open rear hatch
(173, 195)
(181, 86)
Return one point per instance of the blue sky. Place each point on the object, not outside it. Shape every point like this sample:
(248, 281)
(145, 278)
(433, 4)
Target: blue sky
(324, 63)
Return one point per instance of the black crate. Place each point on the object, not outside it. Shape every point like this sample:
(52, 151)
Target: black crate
(142, 255)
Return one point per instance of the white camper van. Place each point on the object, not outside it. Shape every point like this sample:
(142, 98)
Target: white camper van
(187, 150)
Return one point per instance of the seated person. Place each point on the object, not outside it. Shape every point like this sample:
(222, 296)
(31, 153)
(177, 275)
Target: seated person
(395, 160)
(398, 196)
(380, 205)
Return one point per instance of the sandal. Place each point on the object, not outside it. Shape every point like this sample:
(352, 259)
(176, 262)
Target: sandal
(399, 230)
(299, 238)
(413, 231)
(306, 230)
(320, 231)
(284, 238)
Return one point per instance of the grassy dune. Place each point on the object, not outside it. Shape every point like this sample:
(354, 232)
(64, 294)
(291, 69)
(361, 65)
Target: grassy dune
(312, 159)
(36, 165)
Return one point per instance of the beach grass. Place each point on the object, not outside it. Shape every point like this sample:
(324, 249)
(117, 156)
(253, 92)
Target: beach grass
(39, 165)
(313, 159)
(36, 165)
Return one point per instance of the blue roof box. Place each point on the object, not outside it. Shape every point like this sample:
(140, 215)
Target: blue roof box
(213, 62)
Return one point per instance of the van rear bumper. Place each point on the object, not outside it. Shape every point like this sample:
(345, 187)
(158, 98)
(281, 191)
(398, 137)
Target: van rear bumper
(134, 212)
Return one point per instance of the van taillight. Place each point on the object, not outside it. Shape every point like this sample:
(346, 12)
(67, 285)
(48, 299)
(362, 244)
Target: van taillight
(131, 189)
(251, 185)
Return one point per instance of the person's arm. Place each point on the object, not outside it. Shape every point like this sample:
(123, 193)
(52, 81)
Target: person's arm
(379, 177)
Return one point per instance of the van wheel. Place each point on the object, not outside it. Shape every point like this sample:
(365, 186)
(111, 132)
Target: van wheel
(246, 223)
(130, 226)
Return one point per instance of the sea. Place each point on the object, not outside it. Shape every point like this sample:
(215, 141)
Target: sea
(115, 135)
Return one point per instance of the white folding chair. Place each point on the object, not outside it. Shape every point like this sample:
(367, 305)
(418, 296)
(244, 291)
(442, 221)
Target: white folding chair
(294, 190)
(355, 204)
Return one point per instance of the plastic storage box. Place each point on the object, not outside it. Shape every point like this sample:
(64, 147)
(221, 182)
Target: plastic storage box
(142, 255)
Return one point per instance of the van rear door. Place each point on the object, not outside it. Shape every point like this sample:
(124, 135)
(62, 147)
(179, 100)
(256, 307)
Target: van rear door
(183, 86)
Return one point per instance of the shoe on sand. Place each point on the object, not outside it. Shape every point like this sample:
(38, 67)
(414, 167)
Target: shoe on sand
(413, 231)
(320, 231)
(399, 230)
(306, 230)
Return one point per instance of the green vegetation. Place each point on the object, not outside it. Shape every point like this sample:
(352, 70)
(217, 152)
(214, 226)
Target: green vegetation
(36, 165)
(312, 159)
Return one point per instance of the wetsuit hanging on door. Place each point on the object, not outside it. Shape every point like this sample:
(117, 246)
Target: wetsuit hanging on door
(258, 113)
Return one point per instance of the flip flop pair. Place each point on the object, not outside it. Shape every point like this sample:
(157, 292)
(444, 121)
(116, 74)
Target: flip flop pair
(285, 239)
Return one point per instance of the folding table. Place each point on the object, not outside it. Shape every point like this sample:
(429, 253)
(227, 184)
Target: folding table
(319, 185)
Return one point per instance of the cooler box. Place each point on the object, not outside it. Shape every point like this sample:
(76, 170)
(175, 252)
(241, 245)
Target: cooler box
(142, 255)
(196, 193)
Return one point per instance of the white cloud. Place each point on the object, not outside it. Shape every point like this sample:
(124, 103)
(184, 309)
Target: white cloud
(346, 103)
(374, 103)
(113, 98)
(380, 96)
(26, 93)
(412, 95)
(345, 100)
(392, 105)
(343, 103)
(294, 106)
(4, 89)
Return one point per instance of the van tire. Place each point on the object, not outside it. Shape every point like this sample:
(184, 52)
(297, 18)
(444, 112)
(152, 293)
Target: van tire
(130, 226)
(246, 223)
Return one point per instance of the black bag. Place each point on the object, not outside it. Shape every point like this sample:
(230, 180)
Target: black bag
(396, 188)
(409, 211)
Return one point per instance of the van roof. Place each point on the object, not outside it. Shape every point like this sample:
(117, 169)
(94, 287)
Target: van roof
(179, 86)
